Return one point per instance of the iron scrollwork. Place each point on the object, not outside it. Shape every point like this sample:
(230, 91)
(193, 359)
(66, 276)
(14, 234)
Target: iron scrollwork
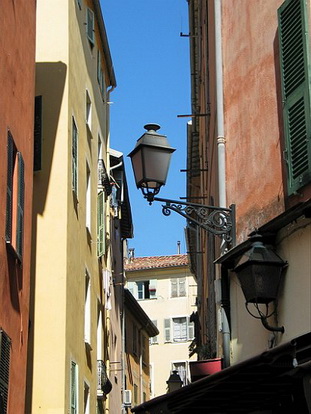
(217, 220)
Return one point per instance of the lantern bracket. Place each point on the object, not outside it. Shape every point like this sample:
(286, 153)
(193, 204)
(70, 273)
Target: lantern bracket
(264, 316)
(219, 221)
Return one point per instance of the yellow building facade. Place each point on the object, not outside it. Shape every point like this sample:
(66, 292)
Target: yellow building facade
(71, 258)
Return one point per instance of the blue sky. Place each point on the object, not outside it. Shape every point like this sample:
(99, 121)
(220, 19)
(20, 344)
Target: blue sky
(151, 62)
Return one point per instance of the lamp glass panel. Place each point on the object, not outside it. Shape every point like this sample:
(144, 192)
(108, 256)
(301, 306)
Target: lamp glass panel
(137, 167)
(156, 165)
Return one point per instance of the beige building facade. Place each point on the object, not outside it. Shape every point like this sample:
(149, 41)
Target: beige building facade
(166, 290)
(72, 348)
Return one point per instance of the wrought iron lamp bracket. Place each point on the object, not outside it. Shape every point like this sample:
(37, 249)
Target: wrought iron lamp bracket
(219, 221)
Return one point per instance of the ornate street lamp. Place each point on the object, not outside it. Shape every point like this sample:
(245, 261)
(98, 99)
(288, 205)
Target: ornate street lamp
(174, 382)
(150, 161)
(259, 271)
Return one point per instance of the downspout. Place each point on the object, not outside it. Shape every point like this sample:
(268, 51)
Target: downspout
(221, 152)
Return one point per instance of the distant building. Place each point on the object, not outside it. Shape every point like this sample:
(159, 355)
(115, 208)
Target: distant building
(138, 329)
(166, 290)
(17, 78)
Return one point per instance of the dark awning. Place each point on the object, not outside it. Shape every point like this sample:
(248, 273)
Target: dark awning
(273, 380)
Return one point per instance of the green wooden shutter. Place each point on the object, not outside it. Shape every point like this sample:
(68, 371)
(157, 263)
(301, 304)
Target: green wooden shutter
(5, 351)
(90, 25)
(73, 388)
(294, 58)
(10, 167)
(101, 224)
(20, 206)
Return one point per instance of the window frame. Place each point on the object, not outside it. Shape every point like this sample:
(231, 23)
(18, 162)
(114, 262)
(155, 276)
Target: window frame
(74, 387)
(90, 26)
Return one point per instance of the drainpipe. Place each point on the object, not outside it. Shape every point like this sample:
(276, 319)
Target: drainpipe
(221, 151)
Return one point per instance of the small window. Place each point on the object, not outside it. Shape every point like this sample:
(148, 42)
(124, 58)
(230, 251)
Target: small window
(182, 369)
(88, 199)
(178, 329)
(101, 228)
(178, 287)
(15, 198)
(86, 398)
(73, 388)
(90, 26)
(74, 157)
(88, 110)
(87, 309)
(143, 289)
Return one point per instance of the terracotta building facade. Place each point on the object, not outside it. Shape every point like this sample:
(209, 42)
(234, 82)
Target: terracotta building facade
(17, 76)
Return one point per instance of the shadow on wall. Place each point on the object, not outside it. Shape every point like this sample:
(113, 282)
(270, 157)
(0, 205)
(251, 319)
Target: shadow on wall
(50, 82)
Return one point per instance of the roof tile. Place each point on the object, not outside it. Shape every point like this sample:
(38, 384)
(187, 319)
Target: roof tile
(156, 262)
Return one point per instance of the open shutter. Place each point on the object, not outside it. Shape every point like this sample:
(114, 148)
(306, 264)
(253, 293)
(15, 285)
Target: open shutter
(20, 206)
(90, 25)
(101, 224)
(74, 156)
(73, 388)
(10, 153)
(167, 330)
(294, 56)
(5, 351)
(190, 329)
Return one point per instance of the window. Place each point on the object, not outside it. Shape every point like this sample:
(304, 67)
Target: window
(88, 110)
(143, 289)
(37, 134)
(101, 230)
(74, 157)
(73, 388)
(15, 198)
(182, 369)
(145, 349)
(178, 287)
(295, 78)
(87, 309)
(101, 75)
(86, 398)
(88, 199)
(135, 394)
(5, 351)
(90, 26)
(154, 339)
(178, 329)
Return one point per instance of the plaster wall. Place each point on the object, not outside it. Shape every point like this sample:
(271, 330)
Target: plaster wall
(66, 248)
(17, 77)
(253, 124)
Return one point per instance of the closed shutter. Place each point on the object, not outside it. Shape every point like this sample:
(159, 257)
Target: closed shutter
(294, 60)
(20, 206)
(167, 330)
(182, 286)
(174, 288)
(5, 351)
(101, 224)
(10, 153)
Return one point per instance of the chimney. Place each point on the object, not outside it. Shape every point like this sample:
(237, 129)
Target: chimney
(178, 247)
